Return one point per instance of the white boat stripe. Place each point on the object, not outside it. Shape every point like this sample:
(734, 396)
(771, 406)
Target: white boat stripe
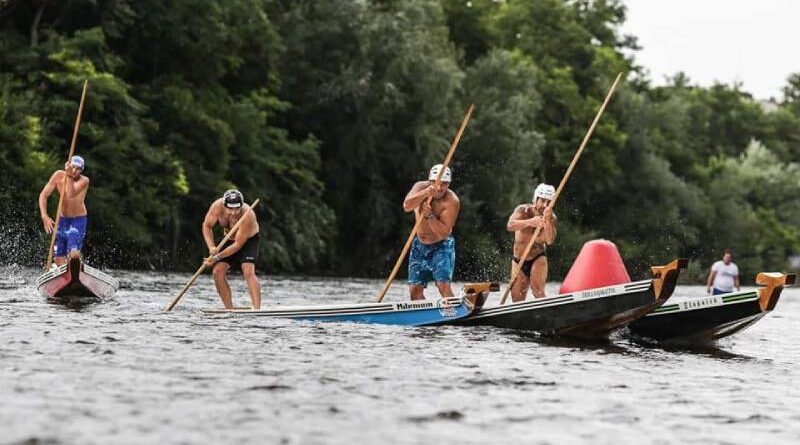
(559, 300)
(700, 303)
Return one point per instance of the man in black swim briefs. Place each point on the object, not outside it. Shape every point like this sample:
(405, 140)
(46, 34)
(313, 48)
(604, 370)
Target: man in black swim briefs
(523, 222)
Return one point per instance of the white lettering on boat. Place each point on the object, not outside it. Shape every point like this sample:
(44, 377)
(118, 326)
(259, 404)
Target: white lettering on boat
(602, 292)
(700, 303)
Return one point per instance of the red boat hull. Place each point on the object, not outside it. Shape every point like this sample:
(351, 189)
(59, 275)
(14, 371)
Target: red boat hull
(76, 283)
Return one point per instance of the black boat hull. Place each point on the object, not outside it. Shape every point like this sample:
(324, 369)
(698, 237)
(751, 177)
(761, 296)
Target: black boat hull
(707, 319)
(590, 313)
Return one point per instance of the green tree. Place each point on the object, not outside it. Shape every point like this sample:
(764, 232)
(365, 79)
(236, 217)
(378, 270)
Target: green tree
(498, 159)
(756, 209)
(178, 103)
(382, 103)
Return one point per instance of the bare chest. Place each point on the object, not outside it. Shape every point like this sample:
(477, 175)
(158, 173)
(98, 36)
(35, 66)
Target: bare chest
(60, 187)
(227, 222)
(437, 207)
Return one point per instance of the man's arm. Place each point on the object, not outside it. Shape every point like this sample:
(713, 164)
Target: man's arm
(711, 274)
(517, 220)
(443, 224)
(548, 233)
(208, 228)
(418, 193)
(240, 237)
(736, 280)
(47, 190)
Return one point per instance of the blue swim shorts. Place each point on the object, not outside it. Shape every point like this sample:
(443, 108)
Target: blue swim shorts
(432, 261)
(70, 234)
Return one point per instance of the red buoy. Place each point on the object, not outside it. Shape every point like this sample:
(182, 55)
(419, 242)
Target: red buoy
(598, 265)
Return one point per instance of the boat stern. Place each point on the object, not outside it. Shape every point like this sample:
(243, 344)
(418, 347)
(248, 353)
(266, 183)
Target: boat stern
(476, 294)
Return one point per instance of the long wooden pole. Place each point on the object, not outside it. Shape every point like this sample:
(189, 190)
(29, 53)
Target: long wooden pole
(64, 186)
(518, 266)
(203, 266)
(446, 162)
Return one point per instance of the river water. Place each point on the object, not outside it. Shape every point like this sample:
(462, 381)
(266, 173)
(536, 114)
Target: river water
(123, 372)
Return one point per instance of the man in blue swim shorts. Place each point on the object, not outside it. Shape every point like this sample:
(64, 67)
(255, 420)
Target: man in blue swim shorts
(72, 222)
(433, 253)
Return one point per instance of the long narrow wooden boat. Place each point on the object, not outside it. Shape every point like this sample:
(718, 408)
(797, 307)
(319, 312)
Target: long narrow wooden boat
(407, 313)
(75, 284)
(706, 319)
(588, 313)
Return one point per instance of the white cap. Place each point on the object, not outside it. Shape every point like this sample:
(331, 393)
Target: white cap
(77, 161)
(544, 191)
(447, 176)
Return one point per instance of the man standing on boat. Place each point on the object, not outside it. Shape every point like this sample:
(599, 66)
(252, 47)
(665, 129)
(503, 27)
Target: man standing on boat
(723, 276)
(72, 221)
(523, 222)
(241, 250)
(433, 252)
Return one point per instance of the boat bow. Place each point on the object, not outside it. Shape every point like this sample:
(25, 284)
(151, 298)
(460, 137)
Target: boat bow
(665, 278)
(773, 283)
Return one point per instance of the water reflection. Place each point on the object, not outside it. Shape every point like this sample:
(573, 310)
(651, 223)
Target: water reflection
(712, 349)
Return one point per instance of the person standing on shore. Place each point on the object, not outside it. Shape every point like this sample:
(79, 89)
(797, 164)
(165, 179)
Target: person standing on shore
(723, 276)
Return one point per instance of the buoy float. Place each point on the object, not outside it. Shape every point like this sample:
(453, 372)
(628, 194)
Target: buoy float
(598, 264)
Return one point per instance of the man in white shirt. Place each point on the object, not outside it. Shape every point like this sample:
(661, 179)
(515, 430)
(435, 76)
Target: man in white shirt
(724, 275)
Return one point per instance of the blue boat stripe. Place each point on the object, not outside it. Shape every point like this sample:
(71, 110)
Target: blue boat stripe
(366, 308)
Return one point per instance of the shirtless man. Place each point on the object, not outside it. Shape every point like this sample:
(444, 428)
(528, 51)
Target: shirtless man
(241, 250)
(72, 222)
(523, 222)
(433, 253)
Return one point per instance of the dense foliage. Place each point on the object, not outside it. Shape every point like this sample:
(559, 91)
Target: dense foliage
(328, 110)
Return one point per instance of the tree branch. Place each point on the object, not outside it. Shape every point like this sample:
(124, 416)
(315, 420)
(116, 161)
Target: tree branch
(35, 25)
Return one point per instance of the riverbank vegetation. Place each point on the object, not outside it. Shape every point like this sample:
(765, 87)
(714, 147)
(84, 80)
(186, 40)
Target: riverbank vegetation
(329, 110)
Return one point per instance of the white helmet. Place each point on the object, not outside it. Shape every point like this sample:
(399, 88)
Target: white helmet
(544, 191)
(447, 176)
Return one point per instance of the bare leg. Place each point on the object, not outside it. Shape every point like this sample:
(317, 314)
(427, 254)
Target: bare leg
(416, 291)
(539, 276)
(249, 272)
(444, 289)
(220, 273)
(519, 292)
(60, 260)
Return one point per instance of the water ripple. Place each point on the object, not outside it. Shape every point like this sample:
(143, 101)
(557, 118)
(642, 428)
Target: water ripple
(125, 372)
